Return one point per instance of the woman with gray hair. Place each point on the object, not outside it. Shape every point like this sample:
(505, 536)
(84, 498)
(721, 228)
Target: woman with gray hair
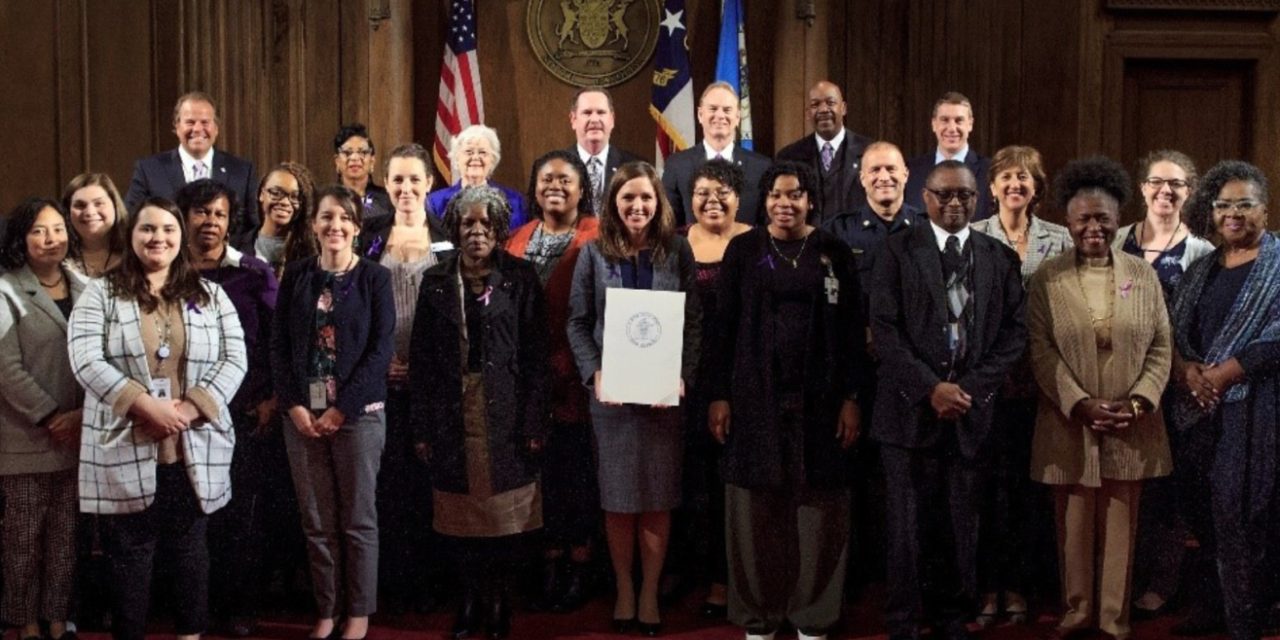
(474, 155)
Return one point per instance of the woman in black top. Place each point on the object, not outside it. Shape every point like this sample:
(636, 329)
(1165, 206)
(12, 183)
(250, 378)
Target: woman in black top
(784, 405)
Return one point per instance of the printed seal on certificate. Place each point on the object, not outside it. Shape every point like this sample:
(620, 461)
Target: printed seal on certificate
(644, 329)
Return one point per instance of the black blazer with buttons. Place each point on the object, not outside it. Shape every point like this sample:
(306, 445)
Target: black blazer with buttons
(516, 372)
(841, 187)
(364, 316)
(909, 328)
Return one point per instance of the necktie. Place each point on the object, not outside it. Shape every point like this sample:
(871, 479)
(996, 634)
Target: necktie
(828, 154)
(595, 170)
(952, 261)
(718, 157)
(200, 171)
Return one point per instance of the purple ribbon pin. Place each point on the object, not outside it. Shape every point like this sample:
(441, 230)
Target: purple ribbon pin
(1044, 249)
(191, 306)
(374, 246)
(484, 297)
(767, 259)
(613, 271)
(1126, 288)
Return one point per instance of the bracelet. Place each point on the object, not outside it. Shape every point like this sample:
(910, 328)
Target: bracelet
(1138, 406)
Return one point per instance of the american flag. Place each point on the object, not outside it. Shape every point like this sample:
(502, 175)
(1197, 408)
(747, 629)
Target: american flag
(461, 103)
(672, 103)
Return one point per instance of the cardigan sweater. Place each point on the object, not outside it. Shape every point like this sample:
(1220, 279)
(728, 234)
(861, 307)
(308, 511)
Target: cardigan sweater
(1064, 357)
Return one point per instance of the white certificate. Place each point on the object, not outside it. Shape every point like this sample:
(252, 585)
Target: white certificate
(643, 345)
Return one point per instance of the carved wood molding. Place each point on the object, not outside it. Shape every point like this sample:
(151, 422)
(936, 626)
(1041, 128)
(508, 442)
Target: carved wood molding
(1196, 5)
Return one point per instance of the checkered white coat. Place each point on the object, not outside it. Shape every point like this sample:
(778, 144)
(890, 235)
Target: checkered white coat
(117, 462)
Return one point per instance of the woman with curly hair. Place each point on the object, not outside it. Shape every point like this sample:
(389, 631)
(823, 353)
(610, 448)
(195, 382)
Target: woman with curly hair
(1100, 349)
(1226, 318)
(285, 197)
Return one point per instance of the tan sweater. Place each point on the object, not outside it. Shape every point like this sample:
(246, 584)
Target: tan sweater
(1069, 367)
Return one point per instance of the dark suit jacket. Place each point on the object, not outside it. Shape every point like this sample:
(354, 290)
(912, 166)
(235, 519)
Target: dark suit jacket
(678, 171)
(616, 158)
(841, 189)
(161, 175)
(909, 324)
(920, 166)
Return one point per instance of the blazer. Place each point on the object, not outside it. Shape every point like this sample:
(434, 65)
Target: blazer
(841, 188)
(35, 373)
(1044, 241)
(117, 462)
(569, 401)
(251, 286)
(373, 237)
(515, 372)
(437, 201)
(364, 318)
(756, 452)
(1197, 247)
(161, 175)
(677, 172)
(1064, 357)
(594, 275)
(918, 169)
(909, 325)
(614, 159)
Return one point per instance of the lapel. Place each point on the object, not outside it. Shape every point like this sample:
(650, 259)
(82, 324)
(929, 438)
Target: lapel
(500, 298)
(984, 282)
(130, 317)
(40, 299)
(441, 288)
(611, 164)
(219, 169)
(173, 171)
(1073, 323)
(928, 261)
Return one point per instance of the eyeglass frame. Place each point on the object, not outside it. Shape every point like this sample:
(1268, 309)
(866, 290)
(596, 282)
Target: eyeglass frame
(963, 196)
(346, 153)
(277, 195)
(1238, 207)
(1158, 183)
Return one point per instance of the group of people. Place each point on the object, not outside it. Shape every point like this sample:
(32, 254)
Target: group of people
(427, 366)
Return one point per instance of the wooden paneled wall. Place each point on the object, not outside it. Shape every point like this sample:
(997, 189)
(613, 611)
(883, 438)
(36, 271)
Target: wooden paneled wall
(90, 84)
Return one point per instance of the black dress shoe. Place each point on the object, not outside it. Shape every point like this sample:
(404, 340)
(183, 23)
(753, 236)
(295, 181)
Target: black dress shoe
(713, 611)
(624, 625)
(1199, 627)
(238, 628)
(498, 625)
(574, 594)
(649, 629)
(467, 621)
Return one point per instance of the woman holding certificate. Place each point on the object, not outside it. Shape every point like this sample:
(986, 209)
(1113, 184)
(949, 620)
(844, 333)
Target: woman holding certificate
(640, 446)
(783, 403)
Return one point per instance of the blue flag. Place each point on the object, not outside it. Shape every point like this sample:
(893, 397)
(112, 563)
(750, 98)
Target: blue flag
(731, 63)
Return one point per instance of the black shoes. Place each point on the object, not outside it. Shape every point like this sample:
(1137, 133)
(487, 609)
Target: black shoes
(713, 611)
(499, 623)
(467, 622)
(649, 629)
(574, 593)
(623, 625)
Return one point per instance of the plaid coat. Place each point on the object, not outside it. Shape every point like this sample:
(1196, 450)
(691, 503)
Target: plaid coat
(117, 463)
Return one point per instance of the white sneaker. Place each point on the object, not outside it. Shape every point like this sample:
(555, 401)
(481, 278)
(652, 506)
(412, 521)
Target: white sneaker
(803, 636)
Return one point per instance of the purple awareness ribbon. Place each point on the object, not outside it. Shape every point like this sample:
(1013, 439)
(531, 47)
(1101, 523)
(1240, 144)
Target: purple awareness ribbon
(768, 259)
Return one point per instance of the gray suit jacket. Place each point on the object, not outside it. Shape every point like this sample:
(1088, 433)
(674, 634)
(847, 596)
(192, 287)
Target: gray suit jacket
(35, 373)
(594, 275)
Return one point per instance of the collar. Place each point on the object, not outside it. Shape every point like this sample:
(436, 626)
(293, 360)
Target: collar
(230, 255)
(835, 142)
(869, 217)
(586, 155)
(727, 154)
(962, 155)
(941, 235)
(189, 161)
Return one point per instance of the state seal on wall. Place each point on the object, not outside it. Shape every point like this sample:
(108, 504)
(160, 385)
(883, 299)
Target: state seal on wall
(593, 43)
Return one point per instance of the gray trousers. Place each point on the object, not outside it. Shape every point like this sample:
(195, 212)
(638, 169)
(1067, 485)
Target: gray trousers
(39, 546)
(787, 555)
(336, 478)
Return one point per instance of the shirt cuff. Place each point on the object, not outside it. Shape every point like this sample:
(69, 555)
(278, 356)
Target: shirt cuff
(204, 402)
(124, 401)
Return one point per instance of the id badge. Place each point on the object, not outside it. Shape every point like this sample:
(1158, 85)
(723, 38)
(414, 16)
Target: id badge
(162, 389)
(319, 395)
(832, 287)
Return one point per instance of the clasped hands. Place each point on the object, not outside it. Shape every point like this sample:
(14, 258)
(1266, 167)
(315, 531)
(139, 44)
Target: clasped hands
(312, 427)
(1207, 382)
(64, 428)
(950, 401)
(160, 419)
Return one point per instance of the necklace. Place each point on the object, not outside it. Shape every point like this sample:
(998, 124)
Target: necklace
(795, 262)
(1168, 244)
(56, 283)
(90, 270)
(350, 263)
(1008, 237)
(164, 332)
(1094, 318)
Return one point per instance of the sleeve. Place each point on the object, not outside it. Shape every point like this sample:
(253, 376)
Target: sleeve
(87, 345)
(582, 315)
(288, 388)
(983, 381)
(1156, 367)
(1052, 373)
(671, 184)
(370, 371)
(692, 314)
(534, 357)
(259, 375)
(729, 317)
(900, 368)
(856, 369)
(139, 190)
(22, 393)
(223, 378)
(250, 202)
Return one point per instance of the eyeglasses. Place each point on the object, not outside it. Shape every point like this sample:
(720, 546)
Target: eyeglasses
(347, 153)
(278, 195)
(722, 194)
(472, 153)
(1156, 183)
(944, 197)
(1239, 206)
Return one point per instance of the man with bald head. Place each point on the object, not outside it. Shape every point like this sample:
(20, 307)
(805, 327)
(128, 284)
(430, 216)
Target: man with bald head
(718, 116)
(833, 152)
(947, 319)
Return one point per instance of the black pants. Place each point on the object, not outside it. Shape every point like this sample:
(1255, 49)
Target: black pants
(933, 530)
(489, 564)
(237, 532)
(175, 523)
(570, 495)
(408, 562)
